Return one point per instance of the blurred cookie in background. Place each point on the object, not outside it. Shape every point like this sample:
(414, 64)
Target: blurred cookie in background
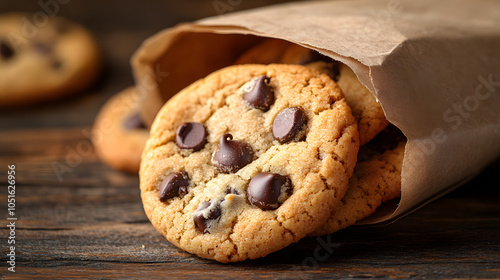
(42, 60)
(119, 134)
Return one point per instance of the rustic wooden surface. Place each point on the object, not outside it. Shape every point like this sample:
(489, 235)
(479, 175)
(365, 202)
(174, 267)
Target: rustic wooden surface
(87, 220)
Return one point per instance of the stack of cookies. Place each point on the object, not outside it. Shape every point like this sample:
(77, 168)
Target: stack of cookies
(282, 145)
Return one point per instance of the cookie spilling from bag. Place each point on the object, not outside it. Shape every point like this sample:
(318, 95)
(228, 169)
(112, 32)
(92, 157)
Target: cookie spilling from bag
(365, 108)
(44, 61)
(376, 180)
(248, 160)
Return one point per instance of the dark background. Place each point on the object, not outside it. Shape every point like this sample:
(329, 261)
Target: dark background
(91, 224)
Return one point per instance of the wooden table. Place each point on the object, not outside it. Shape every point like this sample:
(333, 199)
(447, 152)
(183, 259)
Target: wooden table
(88, 222)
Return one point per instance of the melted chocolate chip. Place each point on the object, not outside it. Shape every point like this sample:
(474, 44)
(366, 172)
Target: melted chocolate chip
(288, 124)
(175, 184)
(191, 135)
(134, 122)
(6, 51)
(265, 189)
(202, 217)
(231, 155)
(260, 95)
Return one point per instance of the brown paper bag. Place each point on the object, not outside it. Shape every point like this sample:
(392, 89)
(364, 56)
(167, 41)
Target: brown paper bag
(433, 65)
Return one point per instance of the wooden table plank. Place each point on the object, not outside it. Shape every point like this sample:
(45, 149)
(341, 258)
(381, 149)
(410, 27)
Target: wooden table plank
(91, 224)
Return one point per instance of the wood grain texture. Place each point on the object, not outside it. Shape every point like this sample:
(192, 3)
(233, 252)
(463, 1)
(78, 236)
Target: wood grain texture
(91, 224)
(79, 219)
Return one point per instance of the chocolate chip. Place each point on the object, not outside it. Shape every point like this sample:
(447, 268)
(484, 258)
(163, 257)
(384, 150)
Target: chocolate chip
(42, 47)
(265, 189)
(203, 218)
(6, 51)
(134, 122)
(56, 64)
(259, 94)
(288, 124)
(231, 191)
(175, 184)
(232, 155)
(191, 135)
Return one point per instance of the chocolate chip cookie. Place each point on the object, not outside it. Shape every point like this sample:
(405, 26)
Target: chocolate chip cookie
(376, 179)
(44, 59)
(365, 108)
(119, 135)
(248, 160)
